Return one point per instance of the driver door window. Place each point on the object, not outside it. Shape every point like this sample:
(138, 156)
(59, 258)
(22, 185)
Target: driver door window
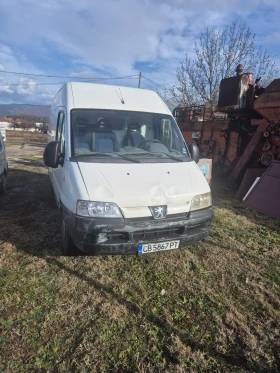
(60, 130)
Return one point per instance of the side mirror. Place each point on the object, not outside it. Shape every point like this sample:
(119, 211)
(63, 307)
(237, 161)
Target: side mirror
(51, 154)
(194, 150)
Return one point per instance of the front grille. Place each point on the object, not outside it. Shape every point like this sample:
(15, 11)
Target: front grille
(118, 236)
(168, 217)
(158, 233)
(143, 235)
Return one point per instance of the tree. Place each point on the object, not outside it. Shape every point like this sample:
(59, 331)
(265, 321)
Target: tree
(14, 125)
(216, 56)
(25, 125)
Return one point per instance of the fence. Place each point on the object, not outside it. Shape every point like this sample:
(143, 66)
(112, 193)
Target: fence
(28, 137)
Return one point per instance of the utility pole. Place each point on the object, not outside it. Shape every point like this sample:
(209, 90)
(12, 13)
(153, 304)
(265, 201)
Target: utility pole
(139, 82)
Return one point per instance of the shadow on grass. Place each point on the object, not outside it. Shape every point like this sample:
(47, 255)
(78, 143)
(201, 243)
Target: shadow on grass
(29, 219)
(167, 330)
(31, 163)
(38, 145)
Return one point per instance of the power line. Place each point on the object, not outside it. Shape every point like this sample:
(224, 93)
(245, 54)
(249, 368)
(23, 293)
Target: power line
(174, 81)
(153, 82)
(170, 103)
(72, 77)
(156, 84)
(33, 84)
(65, 77)
(159, 85)
(30, 85)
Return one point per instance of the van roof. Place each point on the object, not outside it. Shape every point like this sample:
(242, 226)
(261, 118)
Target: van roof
(102, 96)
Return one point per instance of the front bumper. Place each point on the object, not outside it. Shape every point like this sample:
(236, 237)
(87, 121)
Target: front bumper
(123, 236)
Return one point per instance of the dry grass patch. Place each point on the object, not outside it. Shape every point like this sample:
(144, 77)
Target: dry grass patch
(213, 307)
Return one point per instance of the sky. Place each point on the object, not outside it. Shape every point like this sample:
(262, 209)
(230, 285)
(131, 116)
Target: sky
(113, 38)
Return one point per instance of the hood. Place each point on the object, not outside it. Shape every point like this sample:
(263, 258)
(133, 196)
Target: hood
(134, 187)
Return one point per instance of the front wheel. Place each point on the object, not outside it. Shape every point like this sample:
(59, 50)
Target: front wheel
(68, 247)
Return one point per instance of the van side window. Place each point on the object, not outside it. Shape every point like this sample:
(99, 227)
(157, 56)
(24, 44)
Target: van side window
(60, 130)
(143, 130)
(166, 132)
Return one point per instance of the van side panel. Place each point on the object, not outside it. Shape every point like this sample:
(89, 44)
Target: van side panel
(73, 187)
(63, 101)
(64, 98)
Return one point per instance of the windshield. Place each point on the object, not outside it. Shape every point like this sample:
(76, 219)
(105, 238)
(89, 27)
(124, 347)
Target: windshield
(126, 135)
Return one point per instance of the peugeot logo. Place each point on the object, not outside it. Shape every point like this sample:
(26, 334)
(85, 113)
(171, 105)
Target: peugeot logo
(158, 212)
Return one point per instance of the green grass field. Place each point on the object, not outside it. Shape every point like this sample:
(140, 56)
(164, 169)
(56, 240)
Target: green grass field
(212, 307)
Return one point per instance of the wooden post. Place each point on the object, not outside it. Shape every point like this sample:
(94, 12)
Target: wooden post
(246, 155)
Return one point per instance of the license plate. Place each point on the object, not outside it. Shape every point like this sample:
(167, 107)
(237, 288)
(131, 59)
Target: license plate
(159, 246)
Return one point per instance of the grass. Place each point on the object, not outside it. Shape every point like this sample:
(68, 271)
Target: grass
(213, 307)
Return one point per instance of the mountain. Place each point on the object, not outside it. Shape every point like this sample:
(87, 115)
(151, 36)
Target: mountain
(21, 109)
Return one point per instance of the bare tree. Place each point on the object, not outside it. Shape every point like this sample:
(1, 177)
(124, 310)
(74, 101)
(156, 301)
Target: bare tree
(26, 125)
(264, 67)
(14, 125)
(216, 56)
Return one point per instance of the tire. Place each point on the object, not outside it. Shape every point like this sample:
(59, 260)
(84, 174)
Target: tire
(68, 247)
(3, 184)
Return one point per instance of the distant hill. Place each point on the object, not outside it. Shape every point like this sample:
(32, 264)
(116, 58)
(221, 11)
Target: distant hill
(20, 109)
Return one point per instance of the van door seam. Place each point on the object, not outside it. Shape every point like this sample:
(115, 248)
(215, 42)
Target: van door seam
(72, 94)
(83, 179)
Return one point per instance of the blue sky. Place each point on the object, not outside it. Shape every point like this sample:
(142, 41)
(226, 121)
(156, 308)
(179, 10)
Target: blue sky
(112, 38)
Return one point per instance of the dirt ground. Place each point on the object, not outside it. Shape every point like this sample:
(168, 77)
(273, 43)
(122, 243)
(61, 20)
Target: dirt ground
(21, 152)
(212, 307)
(28, 194)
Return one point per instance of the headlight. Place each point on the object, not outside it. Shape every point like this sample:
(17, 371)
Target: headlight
(201, 201)
(98, 209)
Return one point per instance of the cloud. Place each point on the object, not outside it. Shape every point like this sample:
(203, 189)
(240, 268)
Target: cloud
(89, 39)
(16, 88)
(110, 35)
(26, 86)
(24, 90)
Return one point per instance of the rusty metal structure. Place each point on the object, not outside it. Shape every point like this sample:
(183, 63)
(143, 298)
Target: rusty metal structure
(244, 131)
(264, 196)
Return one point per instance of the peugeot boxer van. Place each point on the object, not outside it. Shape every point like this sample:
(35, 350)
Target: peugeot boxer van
(121, 173)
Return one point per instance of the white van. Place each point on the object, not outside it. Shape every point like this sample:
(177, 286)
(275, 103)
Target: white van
(122, 174)
(3, 166)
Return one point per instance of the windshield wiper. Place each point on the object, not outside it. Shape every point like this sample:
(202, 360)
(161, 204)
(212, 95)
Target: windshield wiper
(100, 154)
(158, 155)
(172, 157)
(94, 154)
(146, 153)
(127, 158)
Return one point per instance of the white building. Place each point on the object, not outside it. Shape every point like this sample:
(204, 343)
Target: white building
(6, 125)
